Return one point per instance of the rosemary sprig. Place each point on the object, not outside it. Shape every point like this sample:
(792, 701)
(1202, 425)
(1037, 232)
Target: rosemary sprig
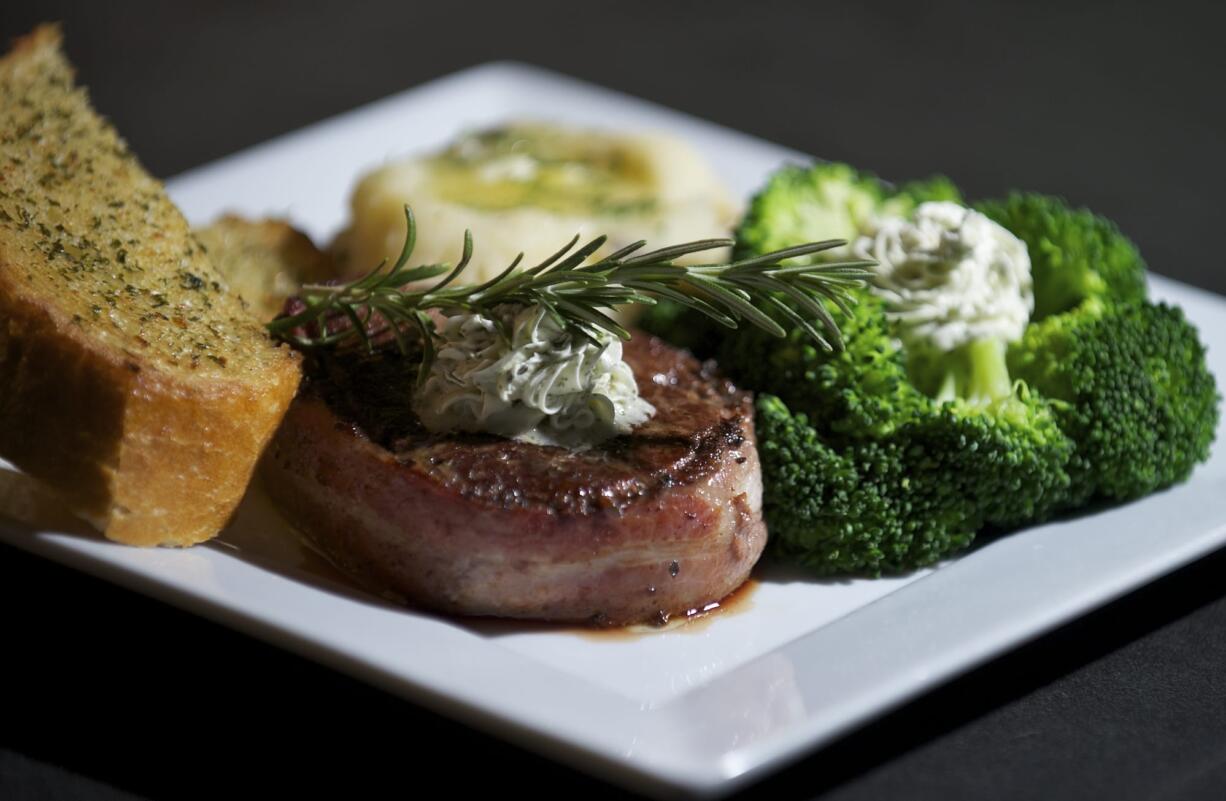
(577, 295)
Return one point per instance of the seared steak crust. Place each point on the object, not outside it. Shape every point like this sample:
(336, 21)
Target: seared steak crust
(643, 526)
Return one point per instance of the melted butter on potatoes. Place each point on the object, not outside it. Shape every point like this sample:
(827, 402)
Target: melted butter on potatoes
(530, 187)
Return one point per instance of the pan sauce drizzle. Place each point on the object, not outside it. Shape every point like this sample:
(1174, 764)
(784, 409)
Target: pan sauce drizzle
(695, 621)
(692, 622)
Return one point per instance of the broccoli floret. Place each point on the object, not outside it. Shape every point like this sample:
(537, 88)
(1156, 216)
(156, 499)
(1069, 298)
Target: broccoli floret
(866, 473)
(860, 392)
(874, 458)
(827, 201)
(1005, 458)
(1074, 253)
(840, 509)
(1136, 395)
(880, 458)
(886, 457)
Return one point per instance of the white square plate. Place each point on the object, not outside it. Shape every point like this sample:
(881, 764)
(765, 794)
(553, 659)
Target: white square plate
(701, 709)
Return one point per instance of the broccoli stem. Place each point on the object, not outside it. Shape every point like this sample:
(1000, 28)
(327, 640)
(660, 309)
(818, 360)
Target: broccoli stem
(976, 372)
(989, 372)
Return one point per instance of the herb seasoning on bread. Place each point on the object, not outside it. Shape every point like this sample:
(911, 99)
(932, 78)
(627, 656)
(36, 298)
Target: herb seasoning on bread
(131, 380)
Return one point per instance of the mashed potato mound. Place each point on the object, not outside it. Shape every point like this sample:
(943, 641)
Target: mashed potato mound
(530, 187)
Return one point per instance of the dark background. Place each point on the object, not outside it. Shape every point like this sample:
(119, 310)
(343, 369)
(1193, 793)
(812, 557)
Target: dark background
(1116, 106)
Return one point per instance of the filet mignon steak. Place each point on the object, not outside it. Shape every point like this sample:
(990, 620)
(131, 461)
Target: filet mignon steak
(641, 527)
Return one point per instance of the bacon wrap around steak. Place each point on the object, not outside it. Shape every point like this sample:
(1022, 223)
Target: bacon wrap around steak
(641, 527)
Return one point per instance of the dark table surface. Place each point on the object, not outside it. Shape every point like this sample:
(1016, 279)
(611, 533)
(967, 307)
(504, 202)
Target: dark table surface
(1117, 107)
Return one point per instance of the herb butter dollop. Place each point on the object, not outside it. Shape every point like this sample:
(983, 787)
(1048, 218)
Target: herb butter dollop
(524, 376)
(949, 275)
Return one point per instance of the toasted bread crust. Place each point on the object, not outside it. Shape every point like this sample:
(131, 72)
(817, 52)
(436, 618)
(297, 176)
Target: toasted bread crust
(130, 381)
(264, 261)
